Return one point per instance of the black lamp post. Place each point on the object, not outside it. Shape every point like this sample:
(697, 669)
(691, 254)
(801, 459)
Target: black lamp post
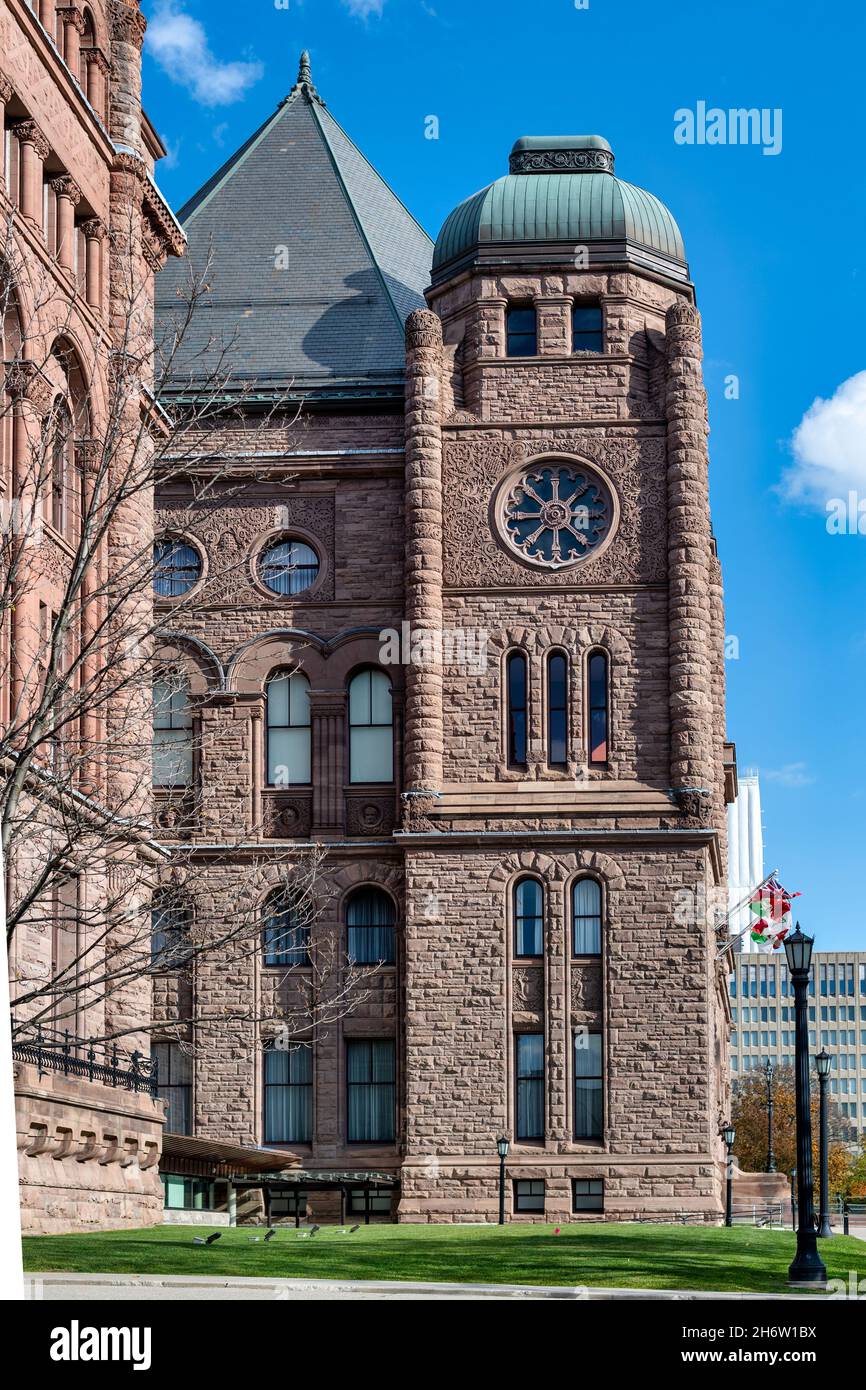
(793, 1199)
(729, 1134)
(770, 1074)
(502, 1150)
(825, 1230)
(807, 1266)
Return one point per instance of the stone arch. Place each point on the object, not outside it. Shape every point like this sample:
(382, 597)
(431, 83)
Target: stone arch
(248, 669)
(203, 665)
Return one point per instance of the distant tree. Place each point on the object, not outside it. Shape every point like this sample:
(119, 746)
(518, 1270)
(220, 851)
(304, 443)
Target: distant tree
(749, 1116)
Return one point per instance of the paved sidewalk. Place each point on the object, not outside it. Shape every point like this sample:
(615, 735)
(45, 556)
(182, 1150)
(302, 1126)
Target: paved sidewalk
(147, 1288)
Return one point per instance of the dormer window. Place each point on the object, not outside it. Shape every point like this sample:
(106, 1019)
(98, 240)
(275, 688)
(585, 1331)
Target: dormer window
(521, 333)
(587, 333)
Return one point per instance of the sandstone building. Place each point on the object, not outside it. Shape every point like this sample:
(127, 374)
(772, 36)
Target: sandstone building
(467, 635)
(84, 229)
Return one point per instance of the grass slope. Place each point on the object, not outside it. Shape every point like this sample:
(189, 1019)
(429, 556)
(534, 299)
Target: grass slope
(599, 1255)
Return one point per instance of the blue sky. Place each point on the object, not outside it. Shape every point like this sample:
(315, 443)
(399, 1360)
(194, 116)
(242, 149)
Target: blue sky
(775, 243)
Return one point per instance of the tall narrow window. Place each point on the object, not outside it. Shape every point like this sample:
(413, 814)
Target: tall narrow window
(586, 328)
(286, 932)
(557, 709)
(172, 732)
(530, 1086)
(370, 922)
(598, 708)
(174, 1084)
(288, 1076)
(521, 333)
(170, 924)
(371, 732)
(528, 918)
(61, 456)
(516, 675)
(588, 1106)
(586, 917)
(370, 1082)
(289, 731)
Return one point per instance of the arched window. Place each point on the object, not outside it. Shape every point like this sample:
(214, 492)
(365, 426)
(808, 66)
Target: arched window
(286, 931)
(176, 568)
(172, 731)
(528, 918)
(586, 917)
(170, 924)
(597, 708)
(289, 731)
(517, 679)
(370, 921)
(557, 709)
(371, 732)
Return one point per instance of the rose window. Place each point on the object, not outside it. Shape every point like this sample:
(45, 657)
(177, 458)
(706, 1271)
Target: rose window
(555, 514)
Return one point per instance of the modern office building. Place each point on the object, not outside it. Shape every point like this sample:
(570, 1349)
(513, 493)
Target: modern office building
(763, 1015)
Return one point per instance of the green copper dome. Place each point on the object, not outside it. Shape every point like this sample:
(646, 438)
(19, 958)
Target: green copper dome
(562, 189)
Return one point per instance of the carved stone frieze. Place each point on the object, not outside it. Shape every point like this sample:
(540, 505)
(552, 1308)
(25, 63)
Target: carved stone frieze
(473, 552)
(527, 985)
(369, 815)
(288, 815)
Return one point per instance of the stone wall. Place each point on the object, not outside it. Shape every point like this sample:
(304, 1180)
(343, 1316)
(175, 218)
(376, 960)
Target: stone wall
(88, 1154)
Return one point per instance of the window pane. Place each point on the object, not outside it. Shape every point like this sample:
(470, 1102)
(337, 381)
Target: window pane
(172, 757)
(588, 1099)
(370, 1071)
(176, 568)
(288, 1094)
(285, 937)
(530, 1086)
(586, 907)
(289, 757)
(278, 701)
(370, 920)
(587, 328)
(371, 755)
(557, 703)
(517, 692)
(288, 567)
(528, 918)
(521, 333)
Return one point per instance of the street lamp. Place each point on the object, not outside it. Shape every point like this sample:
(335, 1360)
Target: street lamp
(770, 1074)
(822, 1065)
(729, 1134)
(502, 1150)
(807, 1266)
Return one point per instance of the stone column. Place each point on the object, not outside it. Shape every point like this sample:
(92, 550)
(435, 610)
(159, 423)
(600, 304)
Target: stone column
(95, 232)
(692, 669)
(483, 341)
(328, 716)
(6, 90)
(68, 197)
(73, 27)
(34, 152)
(96, 78)
(553, 320)
(31, 393)
(423, 562)
(46, 15)
(127, 38)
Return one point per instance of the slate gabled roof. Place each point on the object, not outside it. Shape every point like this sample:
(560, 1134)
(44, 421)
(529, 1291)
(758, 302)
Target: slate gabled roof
(314, 264)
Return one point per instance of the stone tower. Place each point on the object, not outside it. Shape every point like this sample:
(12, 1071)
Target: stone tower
(557, 516)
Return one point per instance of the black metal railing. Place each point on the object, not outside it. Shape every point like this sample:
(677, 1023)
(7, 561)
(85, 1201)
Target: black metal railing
(91, 1061)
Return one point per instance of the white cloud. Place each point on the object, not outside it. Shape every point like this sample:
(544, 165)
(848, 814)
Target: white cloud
(791, 775)
(179, 44)
(362, 9)
(829, 446)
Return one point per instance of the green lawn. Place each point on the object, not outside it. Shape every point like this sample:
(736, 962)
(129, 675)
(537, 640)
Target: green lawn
(623, 1256)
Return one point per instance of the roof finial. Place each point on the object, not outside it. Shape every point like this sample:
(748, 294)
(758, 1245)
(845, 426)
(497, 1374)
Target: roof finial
(304, 83)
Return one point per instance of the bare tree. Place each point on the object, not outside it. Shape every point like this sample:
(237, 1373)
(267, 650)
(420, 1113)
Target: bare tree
(84, 646)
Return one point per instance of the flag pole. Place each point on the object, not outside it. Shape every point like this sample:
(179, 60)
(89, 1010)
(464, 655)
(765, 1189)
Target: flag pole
(742, 903)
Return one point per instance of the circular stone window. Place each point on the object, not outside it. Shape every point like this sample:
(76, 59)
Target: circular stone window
(176, 568)
(555, 514)
(288, 567)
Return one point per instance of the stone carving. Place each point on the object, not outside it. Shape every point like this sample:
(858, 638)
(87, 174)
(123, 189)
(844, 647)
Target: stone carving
(473, 551)
(230, 532)
(66, 187)
(369, 815)
(528, 989)
(423, 329)
(28, 133)
(288, 817)
(586, 988)
(560, 161)
(416, 811)
(696, 804)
